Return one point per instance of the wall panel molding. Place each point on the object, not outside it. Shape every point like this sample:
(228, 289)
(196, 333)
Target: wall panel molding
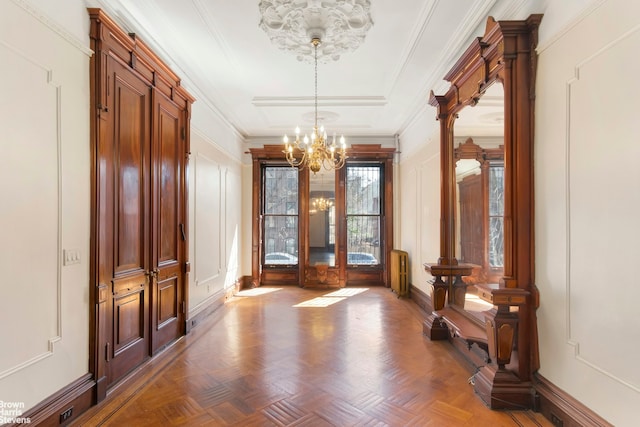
(208, 231)
(29, 154)
(600, 161)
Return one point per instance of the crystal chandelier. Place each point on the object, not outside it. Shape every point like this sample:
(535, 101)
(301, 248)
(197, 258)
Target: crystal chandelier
(321, 204)
(317, 152)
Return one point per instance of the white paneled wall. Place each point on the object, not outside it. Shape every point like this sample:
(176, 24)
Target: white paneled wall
(45, 210)
(586, 202)
(420, 210)
(208, 225)
(214, 205)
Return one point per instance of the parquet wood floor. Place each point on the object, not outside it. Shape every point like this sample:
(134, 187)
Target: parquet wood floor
(294, 357)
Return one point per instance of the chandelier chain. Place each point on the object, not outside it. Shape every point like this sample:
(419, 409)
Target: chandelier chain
(315, 45)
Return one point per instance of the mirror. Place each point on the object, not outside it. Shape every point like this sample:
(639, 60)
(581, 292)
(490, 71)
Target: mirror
(478, 137)
(506, 53)
(322, 218)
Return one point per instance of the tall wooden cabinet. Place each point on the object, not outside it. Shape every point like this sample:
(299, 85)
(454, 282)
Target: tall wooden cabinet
(139, 251)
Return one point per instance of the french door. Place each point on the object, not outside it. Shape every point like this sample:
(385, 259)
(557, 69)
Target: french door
(331, 229)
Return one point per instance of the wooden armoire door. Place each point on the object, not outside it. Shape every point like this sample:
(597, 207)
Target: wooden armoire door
(127, 156)
(139, 246)
(168, 233)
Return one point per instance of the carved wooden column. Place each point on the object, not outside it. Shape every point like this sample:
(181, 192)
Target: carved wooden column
(447, 273)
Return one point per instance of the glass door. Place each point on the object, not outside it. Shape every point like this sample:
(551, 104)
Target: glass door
(280, 217)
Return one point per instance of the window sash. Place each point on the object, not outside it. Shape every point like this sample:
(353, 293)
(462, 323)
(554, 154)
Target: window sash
(364, 214)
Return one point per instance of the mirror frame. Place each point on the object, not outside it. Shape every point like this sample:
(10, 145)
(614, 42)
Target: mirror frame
(506, 53)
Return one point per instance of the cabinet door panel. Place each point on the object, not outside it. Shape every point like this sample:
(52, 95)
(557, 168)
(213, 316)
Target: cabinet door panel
(130, 105)
(131, 198)
(167, 301)
(169, 154)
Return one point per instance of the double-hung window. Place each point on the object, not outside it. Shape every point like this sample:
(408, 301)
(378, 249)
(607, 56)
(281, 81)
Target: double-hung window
(364, 214)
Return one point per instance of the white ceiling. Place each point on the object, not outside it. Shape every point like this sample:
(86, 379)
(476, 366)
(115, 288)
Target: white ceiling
(227, 62)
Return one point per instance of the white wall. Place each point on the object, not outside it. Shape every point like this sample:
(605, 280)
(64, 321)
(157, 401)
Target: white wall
(587, 199)
(419, 198)
(45, 209)
(215, 223)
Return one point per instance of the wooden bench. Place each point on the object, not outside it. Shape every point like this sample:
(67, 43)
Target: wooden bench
(463, 327)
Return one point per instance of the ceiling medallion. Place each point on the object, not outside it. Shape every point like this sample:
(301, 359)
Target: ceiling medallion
(340, 24)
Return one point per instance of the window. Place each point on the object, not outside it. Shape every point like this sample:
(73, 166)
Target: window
(496, 216)
(364, 212)
(351, 238)
(280, 215)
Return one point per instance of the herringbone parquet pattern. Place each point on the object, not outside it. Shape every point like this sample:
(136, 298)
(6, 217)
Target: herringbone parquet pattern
(294, 357)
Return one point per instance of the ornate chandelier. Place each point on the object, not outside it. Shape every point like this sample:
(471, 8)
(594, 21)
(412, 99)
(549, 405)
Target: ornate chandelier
(317, 152)
(342, 25)
(321, 204)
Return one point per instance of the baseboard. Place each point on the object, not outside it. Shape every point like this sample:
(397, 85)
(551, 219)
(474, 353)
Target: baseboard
(421, 299)
(562, 409)
(246, 282)
(213, 303)
(76, 397)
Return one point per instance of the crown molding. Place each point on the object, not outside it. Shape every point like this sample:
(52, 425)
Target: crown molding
(54, 26)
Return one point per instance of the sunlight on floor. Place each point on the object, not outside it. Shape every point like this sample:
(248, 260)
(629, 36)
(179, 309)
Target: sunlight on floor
(256, 292)
(332, 298)
(475, 303)
(320, 302)
(347, 292)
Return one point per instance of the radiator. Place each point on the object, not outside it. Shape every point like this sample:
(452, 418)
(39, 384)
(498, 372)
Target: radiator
(399, 265)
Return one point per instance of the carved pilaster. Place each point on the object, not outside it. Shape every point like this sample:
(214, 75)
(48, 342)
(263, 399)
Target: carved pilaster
(497, 384)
